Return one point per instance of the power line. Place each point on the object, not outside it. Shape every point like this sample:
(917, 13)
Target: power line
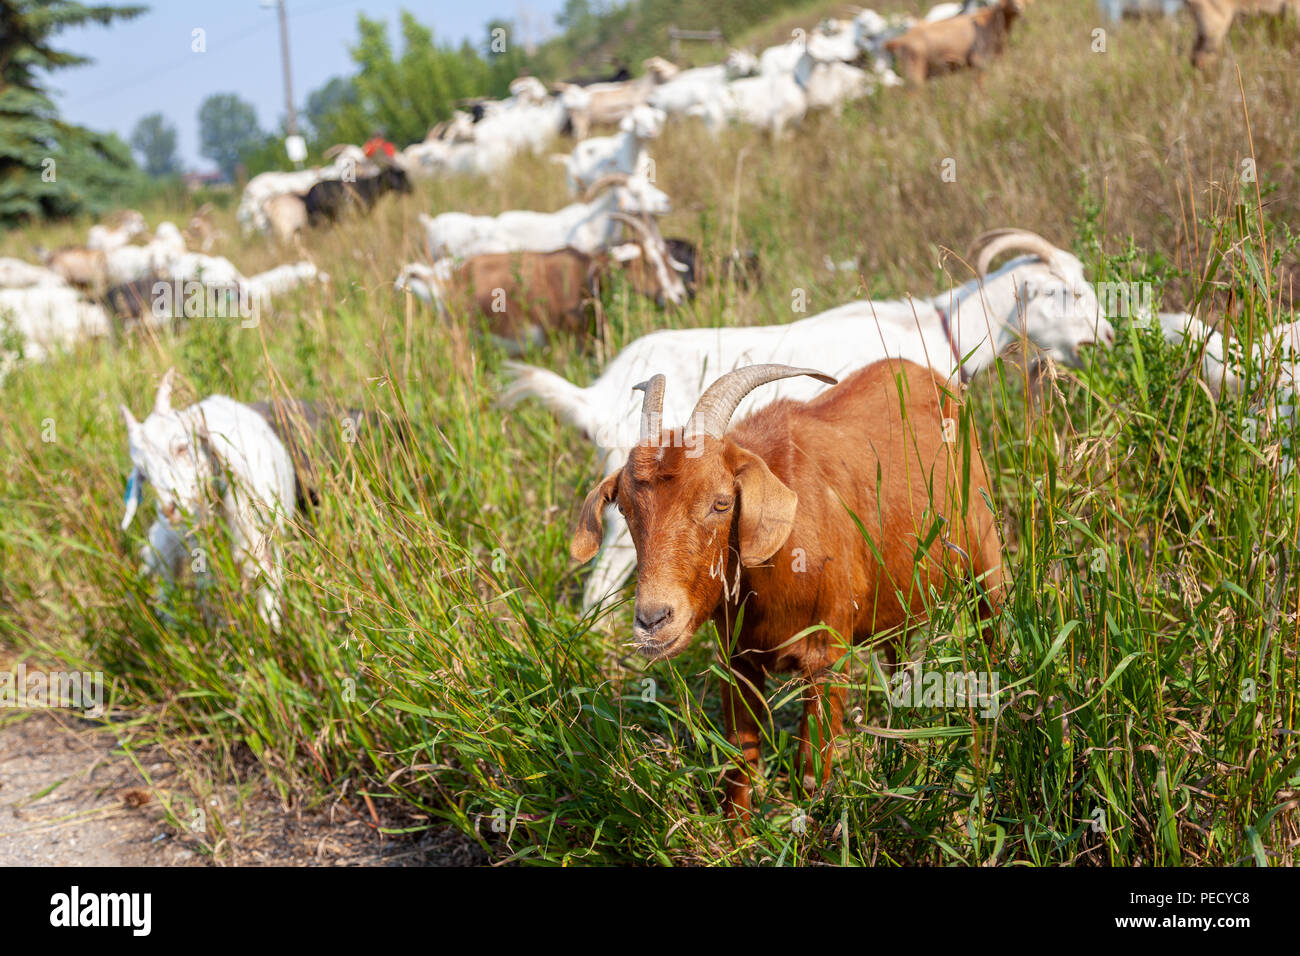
(186, 60)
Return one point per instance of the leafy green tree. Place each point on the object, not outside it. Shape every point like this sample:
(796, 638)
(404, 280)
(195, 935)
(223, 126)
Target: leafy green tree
(49, 167)
(322, 104)
(227, 128)
(155, 140)
(403, 95)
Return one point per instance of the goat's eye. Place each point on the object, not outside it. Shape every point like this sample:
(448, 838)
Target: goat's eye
(181, 449)
(722, 503)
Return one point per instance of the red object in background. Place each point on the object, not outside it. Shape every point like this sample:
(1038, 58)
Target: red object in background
(375, 144)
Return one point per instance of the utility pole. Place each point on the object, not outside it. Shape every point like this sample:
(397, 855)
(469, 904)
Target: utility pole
(293, 143)
(288, 79)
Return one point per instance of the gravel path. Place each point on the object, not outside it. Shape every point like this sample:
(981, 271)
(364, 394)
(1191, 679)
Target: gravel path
(66, 800)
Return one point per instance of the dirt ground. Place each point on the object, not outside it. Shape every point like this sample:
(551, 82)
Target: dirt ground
(70, 797)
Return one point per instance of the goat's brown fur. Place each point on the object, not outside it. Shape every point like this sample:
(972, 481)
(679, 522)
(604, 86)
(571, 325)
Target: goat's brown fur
(82, 267)
(1214, 17)
(287, 214)
(968, 40)
(202, 233)
(760, 519)
(524, 295)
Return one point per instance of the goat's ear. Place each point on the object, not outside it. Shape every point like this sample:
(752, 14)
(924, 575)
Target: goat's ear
(132, 426)
(591, 523)
(767, 508)
(162, 403)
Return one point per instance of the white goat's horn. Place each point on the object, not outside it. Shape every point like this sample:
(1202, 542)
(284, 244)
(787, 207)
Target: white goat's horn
(634, 223)
(162, 404)
(989, 245)
(610, 179)
(652, 408)
(718, 403)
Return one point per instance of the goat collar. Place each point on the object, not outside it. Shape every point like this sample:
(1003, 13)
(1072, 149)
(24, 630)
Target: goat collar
(952, 344)
(945, 319)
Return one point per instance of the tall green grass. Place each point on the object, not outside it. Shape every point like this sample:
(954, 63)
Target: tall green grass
(434, 668)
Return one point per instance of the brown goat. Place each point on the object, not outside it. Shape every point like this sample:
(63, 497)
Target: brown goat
(202, 233)
(967, 40)
(79, 266)
(1214, 17)
(758, 516)
(287, 215)
(527, 295)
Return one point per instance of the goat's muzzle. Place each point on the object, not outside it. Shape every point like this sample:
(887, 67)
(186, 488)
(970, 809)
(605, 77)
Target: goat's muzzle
(655, 632)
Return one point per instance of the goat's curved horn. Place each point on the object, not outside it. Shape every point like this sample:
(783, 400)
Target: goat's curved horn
(334, 150)
(652, 408)
(989, 245)
(162, 403)
(718, 403)
(634, 223)
(609, 179)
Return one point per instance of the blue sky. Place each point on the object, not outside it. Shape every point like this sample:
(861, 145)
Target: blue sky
(146, 65)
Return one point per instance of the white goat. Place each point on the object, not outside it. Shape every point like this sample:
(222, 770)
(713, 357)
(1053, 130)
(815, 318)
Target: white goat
(154, 258)
(265, 285)
(1043, 297)
(624, 152)
(610, 102)
(740, 63)
(1275, 374)
(17, 274)
(210, 270)
(1223, 366)
(770, 101)
(774, 100)
(589, 226)
(348, 161)
(691, 88)
(525, 122)
(782, 58)
(1216, 370)
(526, 89)
(130, 224)
(50, 317)
(829, 84)
(835, 40)
(217, 444)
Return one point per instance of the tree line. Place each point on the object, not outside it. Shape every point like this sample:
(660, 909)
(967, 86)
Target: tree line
(397, 92)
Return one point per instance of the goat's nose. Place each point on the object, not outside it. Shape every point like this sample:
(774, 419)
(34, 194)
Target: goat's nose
(650, 619)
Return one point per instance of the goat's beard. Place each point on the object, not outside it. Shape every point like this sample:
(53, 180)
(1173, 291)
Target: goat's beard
(662, 651)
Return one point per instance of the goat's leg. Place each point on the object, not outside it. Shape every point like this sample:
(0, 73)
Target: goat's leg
(268, 595)
(742, 701)
(824, 705)
(260, 559)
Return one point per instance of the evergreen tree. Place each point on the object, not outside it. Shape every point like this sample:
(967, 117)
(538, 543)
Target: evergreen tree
(49, 167)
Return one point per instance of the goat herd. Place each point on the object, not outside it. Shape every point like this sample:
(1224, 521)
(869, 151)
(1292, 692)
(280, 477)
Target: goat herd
(773, 489)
